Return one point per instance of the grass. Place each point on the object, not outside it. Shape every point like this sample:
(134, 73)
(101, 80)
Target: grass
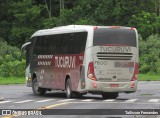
(149, 77)
(21, 80)
(12, 80)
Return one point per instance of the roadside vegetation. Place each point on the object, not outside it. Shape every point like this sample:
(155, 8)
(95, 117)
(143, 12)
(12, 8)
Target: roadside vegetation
(12, 80)
(20, 19)
(149, 77)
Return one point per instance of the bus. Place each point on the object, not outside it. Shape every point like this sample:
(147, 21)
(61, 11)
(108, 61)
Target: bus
(81, 59)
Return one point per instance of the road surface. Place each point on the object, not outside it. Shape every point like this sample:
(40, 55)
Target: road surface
(21, 97)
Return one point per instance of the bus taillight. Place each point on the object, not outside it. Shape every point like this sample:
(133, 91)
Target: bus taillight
(135, 75)
(132, 28)
(114, 27)
(91, 74)
(95, 27)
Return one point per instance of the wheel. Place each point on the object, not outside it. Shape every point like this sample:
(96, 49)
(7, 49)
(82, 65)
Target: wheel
(69, 93)
(36, 90)
(110, 95)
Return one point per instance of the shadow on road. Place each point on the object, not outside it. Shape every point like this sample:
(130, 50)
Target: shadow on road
(62, 95)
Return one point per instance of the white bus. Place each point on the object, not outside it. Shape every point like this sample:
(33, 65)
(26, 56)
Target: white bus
(82, 59)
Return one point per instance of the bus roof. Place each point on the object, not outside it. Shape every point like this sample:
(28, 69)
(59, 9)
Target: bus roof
(71, 28)
(63, 29)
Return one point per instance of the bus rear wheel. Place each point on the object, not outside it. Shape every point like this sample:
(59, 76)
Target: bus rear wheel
(36, 90)
(69, 93)
(110, 95)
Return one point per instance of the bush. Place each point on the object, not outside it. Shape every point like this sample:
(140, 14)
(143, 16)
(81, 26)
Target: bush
(12, 69)
(10, 61)
(149, 54)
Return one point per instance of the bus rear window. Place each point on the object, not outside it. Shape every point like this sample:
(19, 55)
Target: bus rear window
(108, 36)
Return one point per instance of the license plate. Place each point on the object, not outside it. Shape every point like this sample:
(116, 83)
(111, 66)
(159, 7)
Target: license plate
(114, 85)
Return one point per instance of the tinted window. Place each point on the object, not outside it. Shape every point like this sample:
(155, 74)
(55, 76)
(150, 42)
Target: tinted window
(39, 45)
(103, 36)
(70, 43)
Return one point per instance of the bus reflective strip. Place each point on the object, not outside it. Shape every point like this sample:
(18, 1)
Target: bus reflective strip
(87, 100)
(44, 63)
(45, 56)
(131, 100)
(5, 102)
(24, 101)
(109, 100)
(154, 100)
(45, 100)
(65, 100)
(48, 63)
(51, 56)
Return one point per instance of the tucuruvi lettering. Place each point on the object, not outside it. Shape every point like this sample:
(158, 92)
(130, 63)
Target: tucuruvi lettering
(122, 49)
(65, 61)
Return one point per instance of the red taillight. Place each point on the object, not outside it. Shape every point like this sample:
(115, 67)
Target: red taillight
(135, 75)
(132, 28)
(95, 27)
(91, 74)
(114, 27)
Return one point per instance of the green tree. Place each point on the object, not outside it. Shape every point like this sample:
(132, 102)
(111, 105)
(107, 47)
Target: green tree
(26, 20)
(146, 23)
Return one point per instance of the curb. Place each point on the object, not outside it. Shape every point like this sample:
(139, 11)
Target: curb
(1, 98)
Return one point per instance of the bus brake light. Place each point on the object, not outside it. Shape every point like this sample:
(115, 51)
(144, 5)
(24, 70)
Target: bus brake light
(132, 28)
(95, 27)
(114, 27)
(91, 74)
(135, 75)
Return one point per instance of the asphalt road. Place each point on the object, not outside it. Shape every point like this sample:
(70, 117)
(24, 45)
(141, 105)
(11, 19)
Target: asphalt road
(21, 97)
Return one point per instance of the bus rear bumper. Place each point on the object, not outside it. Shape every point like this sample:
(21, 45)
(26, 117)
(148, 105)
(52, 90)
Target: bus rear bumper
(128, 87)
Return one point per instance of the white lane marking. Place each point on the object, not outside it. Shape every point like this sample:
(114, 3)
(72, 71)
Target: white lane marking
(131, 100)
(158, 117)
(145, 103)
(87, 100)
(47, 100)
(5, 102)
(24, 101)
(109, 100)
(66, 100)
(153, 100)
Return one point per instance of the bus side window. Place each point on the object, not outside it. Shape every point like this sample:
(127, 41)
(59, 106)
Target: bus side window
(65, 47)
(27, 55)
(82, 38)
(38, 46)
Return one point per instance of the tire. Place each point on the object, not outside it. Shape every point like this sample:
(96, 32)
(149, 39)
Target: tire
(69, 93)
(110, 95)
(36, 90)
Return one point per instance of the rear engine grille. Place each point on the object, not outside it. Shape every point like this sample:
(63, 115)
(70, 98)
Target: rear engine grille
(114, 56)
